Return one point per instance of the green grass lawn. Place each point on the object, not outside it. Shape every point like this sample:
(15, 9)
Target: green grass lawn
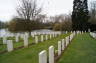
(30, 54)
(81, 50)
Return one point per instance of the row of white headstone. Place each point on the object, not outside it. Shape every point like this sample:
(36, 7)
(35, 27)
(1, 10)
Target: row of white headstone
(46, 37)
(54, 34)
(61, 47)
(25, 37)
(93, 34)
(33, 34)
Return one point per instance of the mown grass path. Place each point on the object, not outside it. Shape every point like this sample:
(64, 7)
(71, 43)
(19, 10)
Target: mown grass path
(30, 54)
(81, 50)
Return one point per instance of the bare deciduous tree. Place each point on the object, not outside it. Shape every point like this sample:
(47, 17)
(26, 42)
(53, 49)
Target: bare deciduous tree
(28, 9)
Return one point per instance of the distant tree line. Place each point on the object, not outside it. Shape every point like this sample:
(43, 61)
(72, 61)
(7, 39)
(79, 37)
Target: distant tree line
(62, 23)
(19, 25)
(30, 18)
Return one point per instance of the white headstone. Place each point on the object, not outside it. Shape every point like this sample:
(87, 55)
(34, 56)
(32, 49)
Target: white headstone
(36, 39)
(50, 36)
(43, 57)
(17, 38)
(4, 39)
(51, 54)
(42, 38)
(46, 37)
(25, 41)
(67, 41)
(71, 32)
(63, 45)
(9, 45)
(59, 48)
(66, 32)
(33, 35)
(89, 30)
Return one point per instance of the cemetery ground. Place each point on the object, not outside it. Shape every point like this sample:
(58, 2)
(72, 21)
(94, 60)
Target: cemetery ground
(29, 54)
(81, 50)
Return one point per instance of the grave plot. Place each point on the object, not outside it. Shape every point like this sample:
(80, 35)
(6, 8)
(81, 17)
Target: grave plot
(22, 41)
(30, 54)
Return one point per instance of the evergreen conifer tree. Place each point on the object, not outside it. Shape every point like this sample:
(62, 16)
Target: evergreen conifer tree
(80, 15)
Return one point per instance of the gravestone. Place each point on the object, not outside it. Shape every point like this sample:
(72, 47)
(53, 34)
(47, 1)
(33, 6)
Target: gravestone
(59, 48)
(43, 57)
(25, 41)
(51, 54)
(46, 37)
(66, 32)
(17, 38)
(9, 45)
(4, 39)
(67, 40)
(42, 38)
(50, 36)
(63, 45)
(89, 30)
(36, 39)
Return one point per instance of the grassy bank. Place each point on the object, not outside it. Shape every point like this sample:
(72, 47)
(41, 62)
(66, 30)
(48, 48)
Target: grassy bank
(81, 50)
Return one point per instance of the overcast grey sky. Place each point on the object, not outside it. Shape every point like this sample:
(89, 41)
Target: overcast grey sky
(50, 7)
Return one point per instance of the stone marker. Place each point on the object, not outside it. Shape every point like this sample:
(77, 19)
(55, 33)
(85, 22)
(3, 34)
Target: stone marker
(36, 39)
(42, 39)
(51, 54)
(89, 30)
(67, 41)
(25, 41)
(9, 45)
(50, 36)
(53, 35)
(46, 37)
(63, 45)
(66, 32)
(71, 37)
(22, 36)
(17, 38)
(59, 48)
(43, 57)
(4, 39)
(33, 35)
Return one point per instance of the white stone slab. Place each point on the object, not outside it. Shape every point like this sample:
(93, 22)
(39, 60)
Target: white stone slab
(51, 54)
(59, 48)
(50, 36)
(36, 39)
(25, 41)
(42, 38)
(63, 44)
(43, 57)
(46, 37)
(4, 40)
(9, 45)
(17, 38)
